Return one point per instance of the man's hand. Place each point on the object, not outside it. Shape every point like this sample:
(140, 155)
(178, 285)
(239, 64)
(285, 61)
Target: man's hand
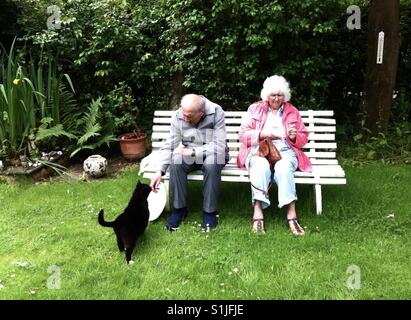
(155, 181)
(183, 151)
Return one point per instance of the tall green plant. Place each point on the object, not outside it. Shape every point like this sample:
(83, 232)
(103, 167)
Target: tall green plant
(17, 102)
(56, 93)
(29, 93)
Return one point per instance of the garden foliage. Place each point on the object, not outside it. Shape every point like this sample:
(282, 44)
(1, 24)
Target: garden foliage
(222, 49)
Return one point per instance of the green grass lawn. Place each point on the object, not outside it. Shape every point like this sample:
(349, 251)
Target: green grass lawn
(54, 224)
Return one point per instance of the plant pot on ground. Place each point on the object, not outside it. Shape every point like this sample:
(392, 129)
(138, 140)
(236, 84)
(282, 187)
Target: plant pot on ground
(133, 145)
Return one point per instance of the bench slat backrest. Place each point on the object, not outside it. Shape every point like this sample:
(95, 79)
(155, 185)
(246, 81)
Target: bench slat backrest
(320, 124)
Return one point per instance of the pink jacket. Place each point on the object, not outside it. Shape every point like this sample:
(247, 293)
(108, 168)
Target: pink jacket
(254, 122)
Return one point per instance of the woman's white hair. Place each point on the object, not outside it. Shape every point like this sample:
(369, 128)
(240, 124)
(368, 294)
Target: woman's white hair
(276, 84)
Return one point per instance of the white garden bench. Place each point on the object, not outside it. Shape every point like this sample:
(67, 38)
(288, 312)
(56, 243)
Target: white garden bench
(320, 149)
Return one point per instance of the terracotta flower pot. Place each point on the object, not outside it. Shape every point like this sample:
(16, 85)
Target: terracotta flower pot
(133, 145)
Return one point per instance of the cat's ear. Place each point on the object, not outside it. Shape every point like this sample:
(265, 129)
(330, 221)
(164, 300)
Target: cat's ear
(139, 183)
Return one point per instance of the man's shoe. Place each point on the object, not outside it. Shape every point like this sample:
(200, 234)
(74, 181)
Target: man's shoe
(209, 221)
(175, 219)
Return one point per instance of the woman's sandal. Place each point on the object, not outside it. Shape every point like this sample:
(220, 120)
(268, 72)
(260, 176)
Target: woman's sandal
(295, 227)
(258, 226)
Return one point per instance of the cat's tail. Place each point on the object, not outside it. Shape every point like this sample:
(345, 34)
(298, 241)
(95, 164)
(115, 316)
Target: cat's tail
(101, 220)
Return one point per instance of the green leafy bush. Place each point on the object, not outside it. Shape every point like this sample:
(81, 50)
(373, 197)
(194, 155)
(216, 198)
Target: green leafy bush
(390, 146)
(222, 49)
(119, 107)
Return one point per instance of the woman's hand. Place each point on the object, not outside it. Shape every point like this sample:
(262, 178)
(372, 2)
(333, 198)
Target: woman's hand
(292, 132)
(268, 134)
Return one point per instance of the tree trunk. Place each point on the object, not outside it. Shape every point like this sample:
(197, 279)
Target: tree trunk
(177, 90)
(380, 79)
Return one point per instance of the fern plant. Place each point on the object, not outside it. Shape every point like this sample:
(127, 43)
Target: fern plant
(93, 134)
(46, 131)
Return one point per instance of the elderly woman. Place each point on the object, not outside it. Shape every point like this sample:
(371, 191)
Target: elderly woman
(277, 119)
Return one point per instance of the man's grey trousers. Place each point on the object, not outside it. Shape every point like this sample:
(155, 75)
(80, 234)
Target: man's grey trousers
(180, 167)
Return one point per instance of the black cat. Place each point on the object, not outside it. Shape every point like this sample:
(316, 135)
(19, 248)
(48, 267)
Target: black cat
(132, 222)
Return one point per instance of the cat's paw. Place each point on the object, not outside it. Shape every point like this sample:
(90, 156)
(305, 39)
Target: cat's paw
(131, 262)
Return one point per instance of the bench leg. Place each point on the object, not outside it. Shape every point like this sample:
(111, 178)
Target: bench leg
(318, 199)
(167, 188)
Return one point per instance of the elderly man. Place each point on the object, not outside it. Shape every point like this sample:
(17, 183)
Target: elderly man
(197, 141)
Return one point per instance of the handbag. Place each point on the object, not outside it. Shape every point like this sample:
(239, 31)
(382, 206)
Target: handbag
(268, 150)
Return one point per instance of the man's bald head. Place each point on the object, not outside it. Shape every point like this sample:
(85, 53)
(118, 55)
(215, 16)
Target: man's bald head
(192, 108)
(193, 102)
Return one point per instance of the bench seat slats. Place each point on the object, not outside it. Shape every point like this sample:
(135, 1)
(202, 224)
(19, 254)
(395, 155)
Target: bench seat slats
(199, 177)
(318, 171)
(311, 154)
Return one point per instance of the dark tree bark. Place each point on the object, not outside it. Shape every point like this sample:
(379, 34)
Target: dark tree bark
(380, 80)
(177, 90)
